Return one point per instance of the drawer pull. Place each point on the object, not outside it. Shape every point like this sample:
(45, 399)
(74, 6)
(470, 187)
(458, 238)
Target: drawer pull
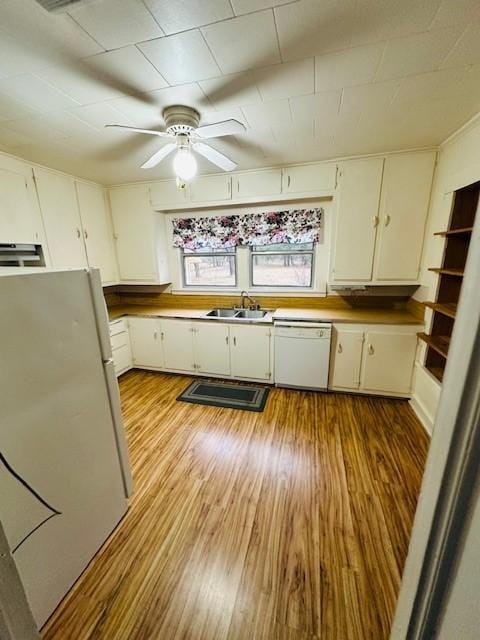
(340, 348)
(234, 341)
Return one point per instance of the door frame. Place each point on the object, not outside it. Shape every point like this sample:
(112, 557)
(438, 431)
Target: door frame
(451, 473)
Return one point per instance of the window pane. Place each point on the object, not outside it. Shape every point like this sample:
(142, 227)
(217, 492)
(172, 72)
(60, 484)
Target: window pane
(284, 247)
(282, 270)
(210, 271)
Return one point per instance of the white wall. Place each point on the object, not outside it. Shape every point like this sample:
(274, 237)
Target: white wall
(458, 165)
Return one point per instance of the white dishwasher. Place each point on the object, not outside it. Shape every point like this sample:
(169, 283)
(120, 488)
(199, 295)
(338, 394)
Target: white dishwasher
(302, 354)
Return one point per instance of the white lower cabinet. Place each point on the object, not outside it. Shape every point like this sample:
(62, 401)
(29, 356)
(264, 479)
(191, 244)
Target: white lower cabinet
(346, 360)
(145, 338)
(212, 348)
(373, 358)
(251, 352)
(121, 347)
(177, 340)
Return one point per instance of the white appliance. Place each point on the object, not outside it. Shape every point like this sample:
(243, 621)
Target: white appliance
(302, 354)
(64, 469)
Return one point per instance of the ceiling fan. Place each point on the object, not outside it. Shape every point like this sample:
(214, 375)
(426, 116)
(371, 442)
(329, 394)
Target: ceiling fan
(182, 126)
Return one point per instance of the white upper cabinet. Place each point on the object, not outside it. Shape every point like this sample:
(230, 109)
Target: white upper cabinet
(166, 193)
(403, 212)
(97, 230)
(358, 200)
(61, 218)
(138, 233)
(212, 349)
(211, 188)
(310, 177)
(251, 351)
(257, 183)
(19, 221)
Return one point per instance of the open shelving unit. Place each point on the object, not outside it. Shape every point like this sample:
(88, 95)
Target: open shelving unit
(444, 307)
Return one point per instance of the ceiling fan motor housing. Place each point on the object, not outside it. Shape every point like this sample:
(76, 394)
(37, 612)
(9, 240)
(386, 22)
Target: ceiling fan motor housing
(181, 120)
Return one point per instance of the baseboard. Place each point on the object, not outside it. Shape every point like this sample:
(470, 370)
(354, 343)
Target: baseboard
(425, 419)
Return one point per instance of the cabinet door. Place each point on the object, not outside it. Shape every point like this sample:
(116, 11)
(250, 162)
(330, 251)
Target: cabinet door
(146, 342)
(122, 359)
(18, 220)
(61, 218)
(311, 177)
(97, 230)
(167, 193)
(346, 358)
(388, 361)
(357, 218)
(258, 183)
(177, 338)
(403, 212)
(212, 349)
(250, 351)
(210, 188)
(134, 228)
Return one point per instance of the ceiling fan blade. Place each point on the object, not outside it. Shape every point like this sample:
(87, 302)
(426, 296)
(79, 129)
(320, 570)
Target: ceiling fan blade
(214, 156)
(159, 156)
(219, 129)
(151, 132)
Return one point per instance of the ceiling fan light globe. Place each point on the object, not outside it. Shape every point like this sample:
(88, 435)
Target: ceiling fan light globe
(184, 164)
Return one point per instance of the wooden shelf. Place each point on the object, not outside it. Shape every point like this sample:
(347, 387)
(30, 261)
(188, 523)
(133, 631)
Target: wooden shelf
(446, 308)
(447, 271)
(437, 372)
(454, 232)
(440, 344)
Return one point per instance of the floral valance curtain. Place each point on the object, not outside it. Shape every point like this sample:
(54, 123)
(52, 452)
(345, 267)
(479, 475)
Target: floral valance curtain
(252, 229)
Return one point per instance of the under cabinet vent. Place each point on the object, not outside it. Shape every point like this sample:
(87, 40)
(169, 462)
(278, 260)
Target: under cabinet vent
(57, 5)
(21, 255)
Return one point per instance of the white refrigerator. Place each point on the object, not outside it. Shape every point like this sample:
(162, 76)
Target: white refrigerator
(64, 469)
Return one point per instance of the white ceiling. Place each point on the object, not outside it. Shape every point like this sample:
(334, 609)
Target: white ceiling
(311, 79)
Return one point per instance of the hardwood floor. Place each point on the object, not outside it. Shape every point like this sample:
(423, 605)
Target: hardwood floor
(291, 524)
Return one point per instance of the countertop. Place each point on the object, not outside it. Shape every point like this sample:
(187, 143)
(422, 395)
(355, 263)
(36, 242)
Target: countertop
(367, 316)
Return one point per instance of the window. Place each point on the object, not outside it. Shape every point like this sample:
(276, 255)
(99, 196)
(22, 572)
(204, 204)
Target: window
(282, 265)
(209, 267)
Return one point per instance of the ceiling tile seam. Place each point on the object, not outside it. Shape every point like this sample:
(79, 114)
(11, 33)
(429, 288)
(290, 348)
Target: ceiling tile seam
(454, 46)
(153, 17)
(231, 7)
(56, 89)
(152, 65)
(435, 15)
(276, 35)
(380, 62)
(211, 53)
(205, 95)
(88, 34)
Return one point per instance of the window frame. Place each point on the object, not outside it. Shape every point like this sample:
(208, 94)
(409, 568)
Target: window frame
(209, 254)
(253, 251)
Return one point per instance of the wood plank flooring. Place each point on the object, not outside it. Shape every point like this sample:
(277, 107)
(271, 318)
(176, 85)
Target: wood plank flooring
(291, 524)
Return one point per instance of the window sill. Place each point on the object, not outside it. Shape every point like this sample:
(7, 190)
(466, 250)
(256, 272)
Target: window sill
(284, 293)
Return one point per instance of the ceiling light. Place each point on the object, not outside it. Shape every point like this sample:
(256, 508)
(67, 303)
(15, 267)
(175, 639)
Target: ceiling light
(184, 164)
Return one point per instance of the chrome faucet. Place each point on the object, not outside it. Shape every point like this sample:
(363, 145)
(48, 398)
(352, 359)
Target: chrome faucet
(244, 295)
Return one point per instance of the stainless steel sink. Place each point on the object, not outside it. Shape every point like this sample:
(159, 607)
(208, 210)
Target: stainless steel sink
(251, 314)
(222, 313)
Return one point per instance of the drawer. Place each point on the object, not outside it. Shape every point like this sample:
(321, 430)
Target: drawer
(119, 340)
(122, 359)
(117, 326)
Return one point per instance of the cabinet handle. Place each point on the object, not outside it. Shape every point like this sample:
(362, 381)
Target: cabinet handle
(78, 233)
(85, 233)
(340, 348)
(288, 181)
(226, 339)
(234, 341)
(238, 186)
(230, 187)
(162, 336)
(375, 221)
(155, 334)
(371, 350)
(387, 220)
